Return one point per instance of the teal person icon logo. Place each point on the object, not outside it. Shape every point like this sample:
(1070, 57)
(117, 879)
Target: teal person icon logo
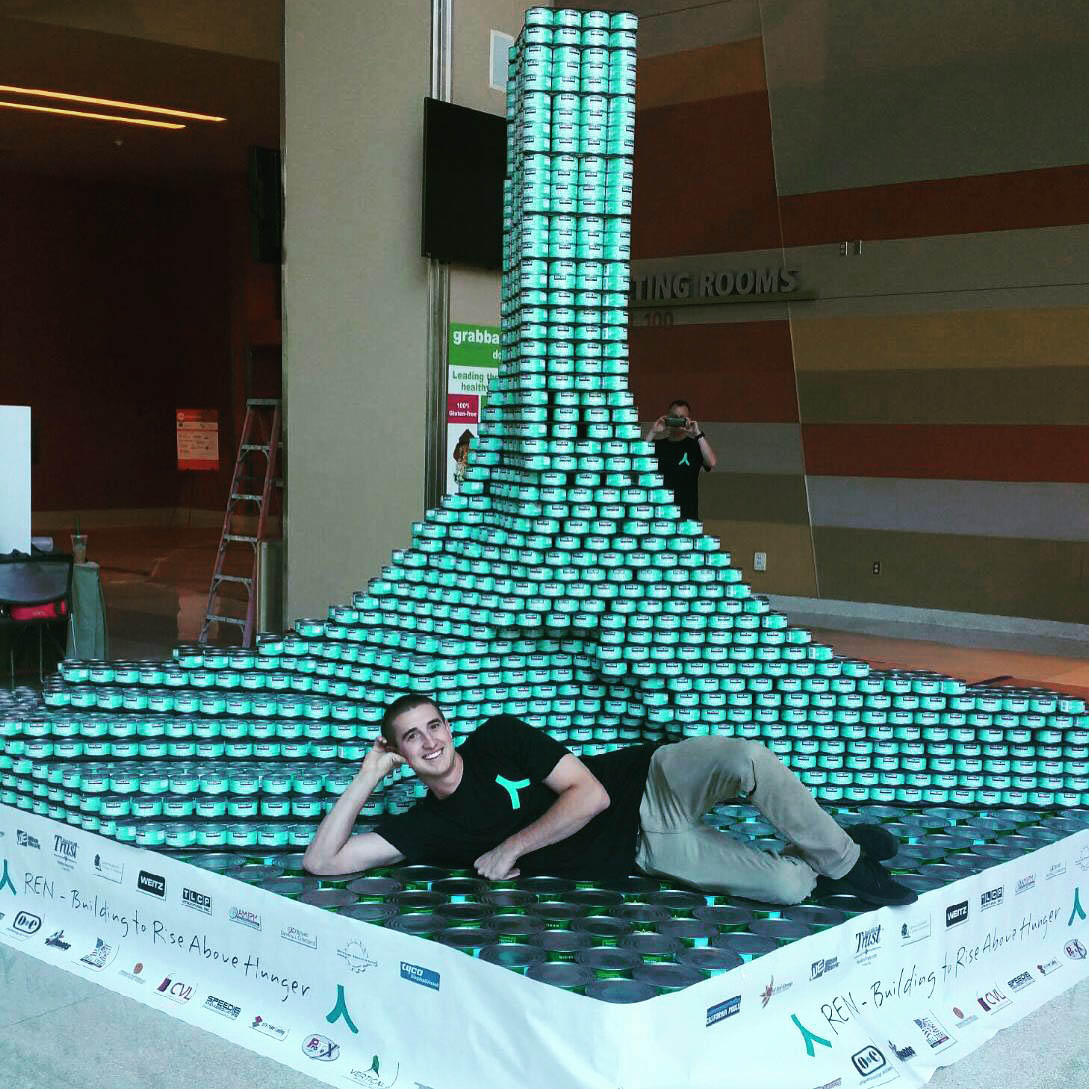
(6, 879)
(512, 787)
(1077, 912)
(684, 460)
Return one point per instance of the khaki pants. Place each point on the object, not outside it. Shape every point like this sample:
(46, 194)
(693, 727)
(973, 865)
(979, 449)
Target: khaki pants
(690, 777)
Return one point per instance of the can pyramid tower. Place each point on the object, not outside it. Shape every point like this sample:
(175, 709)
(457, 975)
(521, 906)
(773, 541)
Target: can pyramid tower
(558, 585)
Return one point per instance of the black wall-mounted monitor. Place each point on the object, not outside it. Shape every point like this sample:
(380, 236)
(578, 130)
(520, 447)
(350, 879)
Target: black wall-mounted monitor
(463, 167)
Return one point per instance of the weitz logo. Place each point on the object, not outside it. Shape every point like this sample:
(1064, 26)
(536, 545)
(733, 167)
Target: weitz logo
(175, 989)
(823, 967)
(869, 1060)
(1048, 968)
(198, 901)
(425, 977)
(1025, 884)
(770, 991)
(354, 954)
(723, 1010)
(904, 1054)
(956, 914)
(268, 1028)
(25, 924)
(300, 937)
(321, 1048)
(151, 883)
(1019, 983)
(56, 940)
(25, 839)
(1056, 869)
(992, 898)
(867, 942)
(111, 871)
(1075, 950)
(993, 1000)
(99, 957)
(65, 851)
(225, 1009)
(245, 917)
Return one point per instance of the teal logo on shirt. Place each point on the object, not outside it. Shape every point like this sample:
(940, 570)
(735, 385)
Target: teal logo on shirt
(684, 459)
(512, 788)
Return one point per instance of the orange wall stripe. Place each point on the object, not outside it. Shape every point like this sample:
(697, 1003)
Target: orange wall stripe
(732, 68)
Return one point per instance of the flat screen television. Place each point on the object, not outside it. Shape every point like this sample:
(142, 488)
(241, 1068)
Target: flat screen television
(464, 163)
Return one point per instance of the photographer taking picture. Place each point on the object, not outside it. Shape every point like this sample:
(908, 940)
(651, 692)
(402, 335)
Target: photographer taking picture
(683, 453)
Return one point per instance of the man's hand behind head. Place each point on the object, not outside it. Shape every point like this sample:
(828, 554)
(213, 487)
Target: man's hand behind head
(381, 760)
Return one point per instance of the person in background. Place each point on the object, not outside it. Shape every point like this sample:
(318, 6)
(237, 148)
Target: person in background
(683, 452)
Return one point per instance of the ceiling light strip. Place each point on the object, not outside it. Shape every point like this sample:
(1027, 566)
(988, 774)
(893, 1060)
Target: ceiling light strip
(92, 116)
(115, 103)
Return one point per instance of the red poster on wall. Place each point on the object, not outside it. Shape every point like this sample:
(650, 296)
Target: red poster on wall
(198, 439)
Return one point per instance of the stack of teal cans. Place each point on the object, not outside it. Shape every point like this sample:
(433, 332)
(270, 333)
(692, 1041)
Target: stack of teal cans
(560, 585)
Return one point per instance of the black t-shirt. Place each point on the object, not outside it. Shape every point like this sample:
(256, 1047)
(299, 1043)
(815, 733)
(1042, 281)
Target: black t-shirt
(502, 790)
(680, 464)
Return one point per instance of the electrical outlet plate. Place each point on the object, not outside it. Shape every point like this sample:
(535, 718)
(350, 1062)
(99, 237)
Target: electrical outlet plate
(760, 561)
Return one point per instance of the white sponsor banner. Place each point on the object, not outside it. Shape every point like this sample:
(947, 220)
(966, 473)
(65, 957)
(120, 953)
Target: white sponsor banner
(884, 999)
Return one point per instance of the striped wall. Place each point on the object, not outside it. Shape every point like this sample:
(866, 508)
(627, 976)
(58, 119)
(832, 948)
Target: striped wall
(929, 411)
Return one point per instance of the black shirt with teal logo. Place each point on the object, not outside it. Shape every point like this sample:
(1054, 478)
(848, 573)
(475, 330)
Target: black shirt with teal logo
(680, 464)
(502, 790)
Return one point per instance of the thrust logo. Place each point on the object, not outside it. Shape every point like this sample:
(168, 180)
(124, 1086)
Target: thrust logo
(723, 1010)
(823, 967)
(956, 914)
(65, 851)
(425, 977)
(867, 942)
(992, 898)
(151, 883)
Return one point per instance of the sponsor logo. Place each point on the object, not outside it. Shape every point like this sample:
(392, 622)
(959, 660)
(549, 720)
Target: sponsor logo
(904, 1054)
(321, 1048)
(933, 1033)
(992, 898)
(245, 917)
(414, 973)
(65, 851)
(1019, 983)
(723, 1010)
(869, 1060)
(770, 991)
(809, 1037)
(823, 967)
(956, 914)
(151, 883)
(135, 975)
(198, 901)
(111, 871)
(1025, 884)
(373, 1076)
(867, 942)
(1082, 861)
(1056, 869)
(25, 924)
(1048, 967)
(222, 1007)
(993, 1000)
(830, 1084)
(56, 940)
(175, 989)
(916, 931)
(300, 937)
(1076, 911)
(1075, 950)
(354, 954)
(99, 957)
(268, 1028)
(25, 839)
(963, 1019)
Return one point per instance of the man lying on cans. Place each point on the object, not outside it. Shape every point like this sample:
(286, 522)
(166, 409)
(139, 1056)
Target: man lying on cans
(510, 801)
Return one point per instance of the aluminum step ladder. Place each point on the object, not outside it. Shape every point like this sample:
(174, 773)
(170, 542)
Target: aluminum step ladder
(247, 510)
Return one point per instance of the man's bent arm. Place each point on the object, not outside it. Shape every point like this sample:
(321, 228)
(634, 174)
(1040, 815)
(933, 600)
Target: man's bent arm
(579, 798)
(334, 849)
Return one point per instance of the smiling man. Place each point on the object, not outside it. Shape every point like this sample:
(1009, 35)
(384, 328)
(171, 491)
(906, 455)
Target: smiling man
(512, 801)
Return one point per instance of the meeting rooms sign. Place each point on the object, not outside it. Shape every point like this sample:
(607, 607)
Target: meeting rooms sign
(715, 286)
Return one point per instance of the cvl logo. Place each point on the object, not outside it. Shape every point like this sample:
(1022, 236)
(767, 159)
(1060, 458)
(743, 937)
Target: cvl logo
(151, 883)
(25, 924)
(956, 914)
(320, 1048)
(175, 989)
(993, 1000)
(869, 1060)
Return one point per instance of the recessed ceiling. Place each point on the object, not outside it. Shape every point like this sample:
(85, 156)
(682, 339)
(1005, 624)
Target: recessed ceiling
(92, 63)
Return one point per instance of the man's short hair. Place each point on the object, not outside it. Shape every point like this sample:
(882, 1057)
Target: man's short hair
(399, 706)
(680, 404)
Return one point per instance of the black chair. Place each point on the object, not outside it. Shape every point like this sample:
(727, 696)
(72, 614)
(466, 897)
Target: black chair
(37, 580)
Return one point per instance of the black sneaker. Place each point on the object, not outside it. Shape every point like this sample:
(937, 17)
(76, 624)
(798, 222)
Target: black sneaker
(869, 881)
(875, 841)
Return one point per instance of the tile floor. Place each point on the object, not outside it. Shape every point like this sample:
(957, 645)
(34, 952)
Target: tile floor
(156, 582)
